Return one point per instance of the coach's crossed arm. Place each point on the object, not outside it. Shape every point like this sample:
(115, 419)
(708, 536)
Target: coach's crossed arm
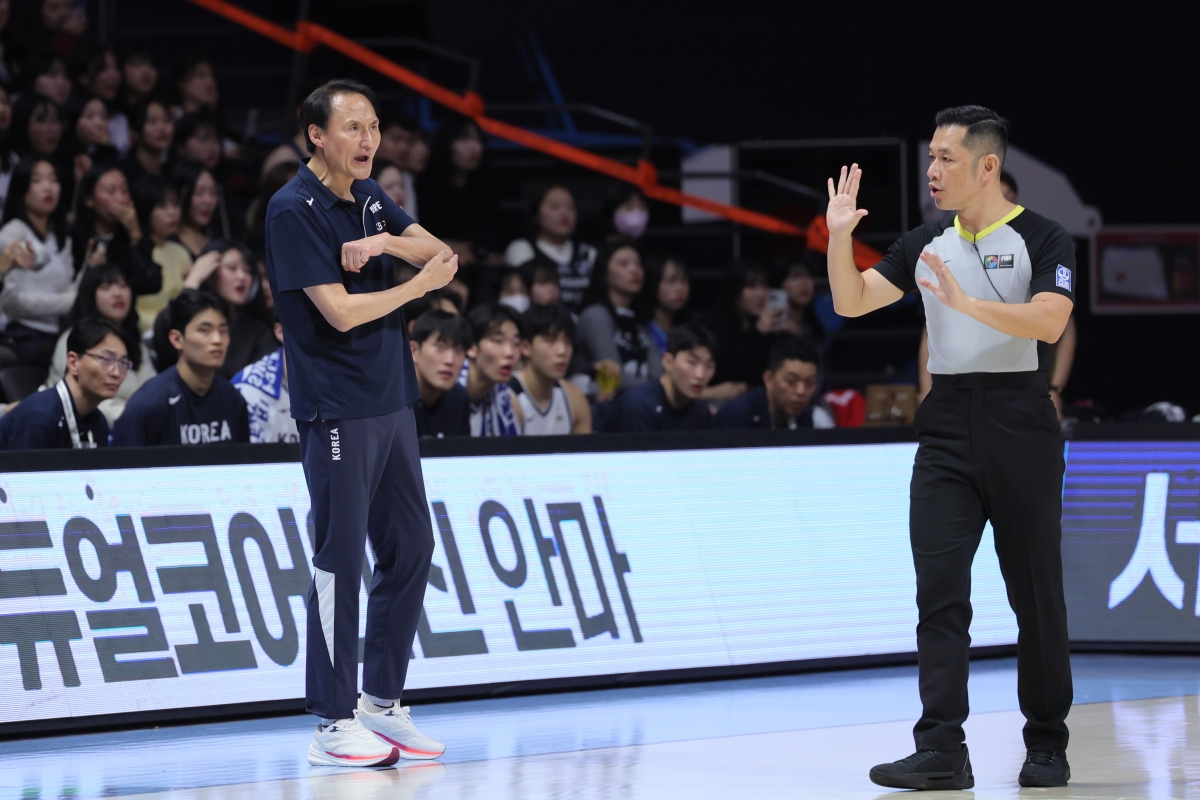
(344, 311)
(415, 245)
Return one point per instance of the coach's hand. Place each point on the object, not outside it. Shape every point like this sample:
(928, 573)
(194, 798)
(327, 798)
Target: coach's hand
(842, 214)
(356, 254)
(947, 288)
(438, 271)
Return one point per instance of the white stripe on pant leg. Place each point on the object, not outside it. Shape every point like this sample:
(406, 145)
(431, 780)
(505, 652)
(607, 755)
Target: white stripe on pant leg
(324, 584)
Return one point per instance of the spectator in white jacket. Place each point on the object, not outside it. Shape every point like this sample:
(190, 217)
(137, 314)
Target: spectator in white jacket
(35, 261)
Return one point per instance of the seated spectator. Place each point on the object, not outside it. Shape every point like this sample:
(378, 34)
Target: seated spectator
(104, 294)
(107, 231)
(443, 299)
(458, 198)
(198, 200)
(543, 282)
(289, 153)
(225, 268)
(196, 84)
(391, 179)
(56, 26)
(45, 73)
(513, 292)
(397, 135)
(553, 222)
(495, 346)
(140, 79)
(439, 341)
(158, 212)
(549, 404)
(668, 289)
(151, 130)
(273, 180)
(188, 403)
(101, 78)
(8, 157)
(264, 387)
(37, 127)
(96, 364)
(612, 338)
(745, 328)
(801, 319)
(629, 217)
(90, 138)
(197, 138)
(673, 402)
(35, 258)
(785, 400)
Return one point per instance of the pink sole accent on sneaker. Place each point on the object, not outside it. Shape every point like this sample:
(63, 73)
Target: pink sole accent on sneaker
(375, 761)
(412, 750)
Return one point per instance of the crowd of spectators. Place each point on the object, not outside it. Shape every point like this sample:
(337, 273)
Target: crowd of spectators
(133, 276)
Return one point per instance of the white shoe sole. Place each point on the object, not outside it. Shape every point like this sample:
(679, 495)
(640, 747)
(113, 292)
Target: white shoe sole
(410, 753)
(321, 758)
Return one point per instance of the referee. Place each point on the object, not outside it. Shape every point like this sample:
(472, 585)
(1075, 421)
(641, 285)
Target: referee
(331, 237)
(995, 283)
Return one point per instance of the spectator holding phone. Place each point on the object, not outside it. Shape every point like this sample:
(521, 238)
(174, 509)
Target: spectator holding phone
(785, 400)
(612, 336)
(747, 325)
(673, 402)
(107, 230)
(439, 341)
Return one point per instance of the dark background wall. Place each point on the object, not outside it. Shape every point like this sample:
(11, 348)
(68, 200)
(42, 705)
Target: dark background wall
(1101, 93)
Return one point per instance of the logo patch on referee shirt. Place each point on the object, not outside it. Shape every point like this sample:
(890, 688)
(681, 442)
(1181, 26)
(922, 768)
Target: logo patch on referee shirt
(998, 262)
(1062, 278)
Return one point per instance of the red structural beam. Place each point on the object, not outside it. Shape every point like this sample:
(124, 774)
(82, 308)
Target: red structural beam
(308, 35)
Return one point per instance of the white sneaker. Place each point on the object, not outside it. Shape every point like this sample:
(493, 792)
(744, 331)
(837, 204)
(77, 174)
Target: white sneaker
(395, 726)
(347, 743)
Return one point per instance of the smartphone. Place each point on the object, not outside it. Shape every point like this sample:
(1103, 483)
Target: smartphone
(777, 300)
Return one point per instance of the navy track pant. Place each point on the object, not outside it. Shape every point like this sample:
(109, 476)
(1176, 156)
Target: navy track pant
(990, 449)
(364, 477)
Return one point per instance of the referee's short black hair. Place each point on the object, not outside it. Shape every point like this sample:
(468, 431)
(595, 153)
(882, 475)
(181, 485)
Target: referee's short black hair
(791, 348)
(438, 324)
(487, 319)
(987, 131)
(89, 332)
(690, 337)
(317, 107)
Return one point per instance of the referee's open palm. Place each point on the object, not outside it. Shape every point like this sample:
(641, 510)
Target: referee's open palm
(842, 214)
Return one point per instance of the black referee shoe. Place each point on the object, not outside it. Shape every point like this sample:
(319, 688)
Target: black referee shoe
(928, 769)
(1045, 768)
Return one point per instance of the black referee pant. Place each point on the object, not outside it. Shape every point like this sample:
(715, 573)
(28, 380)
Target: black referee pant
(364, 478)
(990, 449)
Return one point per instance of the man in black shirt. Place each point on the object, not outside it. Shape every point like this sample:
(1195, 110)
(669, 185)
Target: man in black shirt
(188, 403)
(439, 341)
(97, 363)
(784, 401)
(672, 402)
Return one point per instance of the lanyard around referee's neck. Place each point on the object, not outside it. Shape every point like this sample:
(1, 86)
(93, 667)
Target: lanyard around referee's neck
(64, 394)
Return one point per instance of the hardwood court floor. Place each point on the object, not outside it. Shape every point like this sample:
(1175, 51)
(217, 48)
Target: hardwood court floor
(1135, 733)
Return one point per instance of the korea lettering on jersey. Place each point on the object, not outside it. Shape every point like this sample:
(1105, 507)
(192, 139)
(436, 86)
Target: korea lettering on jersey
(205, 432)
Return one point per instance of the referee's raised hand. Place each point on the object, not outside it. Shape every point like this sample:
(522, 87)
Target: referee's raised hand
(842, 214)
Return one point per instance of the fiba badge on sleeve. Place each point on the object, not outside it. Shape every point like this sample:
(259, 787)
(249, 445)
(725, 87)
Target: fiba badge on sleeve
(1063, 277)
